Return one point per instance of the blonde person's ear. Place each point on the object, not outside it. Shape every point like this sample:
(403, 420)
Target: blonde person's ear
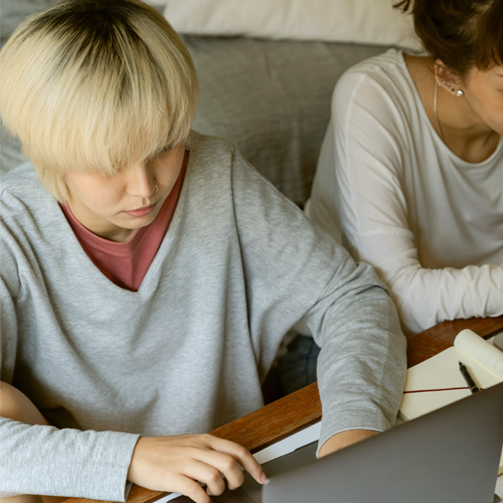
(446, 79)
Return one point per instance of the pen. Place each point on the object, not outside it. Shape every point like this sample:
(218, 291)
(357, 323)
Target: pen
(468, 378)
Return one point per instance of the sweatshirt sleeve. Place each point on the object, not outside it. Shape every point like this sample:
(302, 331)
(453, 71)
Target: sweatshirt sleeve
(359, 185)
(44, 460)
(295, 271)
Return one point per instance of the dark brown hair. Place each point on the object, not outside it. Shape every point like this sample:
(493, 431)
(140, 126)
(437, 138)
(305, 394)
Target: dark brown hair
(461, 33)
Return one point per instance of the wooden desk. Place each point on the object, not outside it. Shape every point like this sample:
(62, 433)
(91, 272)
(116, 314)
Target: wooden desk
(294, 412)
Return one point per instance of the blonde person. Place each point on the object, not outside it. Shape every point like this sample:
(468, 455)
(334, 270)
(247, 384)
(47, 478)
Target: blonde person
(410, 175)
(148, 275)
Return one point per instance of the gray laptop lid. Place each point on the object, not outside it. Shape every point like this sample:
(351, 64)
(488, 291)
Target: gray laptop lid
(450, 455)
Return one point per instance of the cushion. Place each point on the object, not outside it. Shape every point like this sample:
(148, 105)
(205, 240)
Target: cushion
(356, 21)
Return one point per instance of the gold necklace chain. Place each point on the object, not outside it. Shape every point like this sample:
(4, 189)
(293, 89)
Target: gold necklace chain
(435, 99)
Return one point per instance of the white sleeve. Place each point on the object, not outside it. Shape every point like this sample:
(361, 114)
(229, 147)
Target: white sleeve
(368, 139)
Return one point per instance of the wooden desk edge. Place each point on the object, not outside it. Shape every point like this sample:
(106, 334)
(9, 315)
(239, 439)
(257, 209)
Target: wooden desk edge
(303, 408)
(432, 341)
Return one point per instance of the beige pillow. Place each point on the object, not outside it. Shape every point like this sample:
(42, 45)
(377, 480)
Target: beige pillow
(358, 21)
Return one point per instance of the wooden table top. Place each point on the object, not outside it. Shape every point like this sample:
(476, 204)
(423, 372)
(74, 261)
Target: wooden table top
(294, 412)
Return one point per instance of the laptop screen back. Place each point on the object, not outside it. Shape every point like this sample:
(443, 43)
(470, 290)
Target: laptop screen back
(451, 454)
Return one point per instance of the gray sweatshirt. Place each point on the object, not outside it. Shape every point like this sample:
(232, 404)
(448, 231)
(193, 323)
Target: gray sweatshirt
(239, 266)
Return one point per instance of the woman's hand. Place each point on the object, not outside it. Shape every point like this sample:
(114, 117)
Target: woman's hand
(178, 463)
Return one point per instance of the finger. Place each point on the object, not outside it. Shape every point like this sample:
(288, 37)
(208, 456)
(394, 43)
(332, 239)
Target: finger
(190, 488)
(242, 455)
(207, 474)
(225, 464)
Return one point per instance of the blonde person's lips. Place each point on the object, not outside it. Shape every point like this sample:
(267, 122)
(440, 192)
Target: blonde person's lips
(140, 212)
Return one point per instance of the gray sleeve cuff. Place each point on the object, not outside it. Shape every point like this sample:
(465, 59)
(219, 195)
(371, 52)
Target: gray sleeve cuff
(108, 478)
(70, 463)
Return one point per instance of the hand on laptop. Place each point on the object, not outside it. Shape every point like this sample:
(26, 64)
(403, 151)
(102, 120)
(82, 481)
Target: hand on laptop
(178, 463)
(344, 439)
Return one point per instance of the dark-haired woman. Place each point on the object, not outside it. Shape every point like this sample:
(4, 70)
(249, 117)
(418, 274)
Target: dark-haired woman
(410, 177)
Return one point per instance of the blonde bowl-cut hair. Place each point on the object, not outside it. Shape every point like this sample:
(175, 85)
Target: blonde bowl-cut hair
(93, 86)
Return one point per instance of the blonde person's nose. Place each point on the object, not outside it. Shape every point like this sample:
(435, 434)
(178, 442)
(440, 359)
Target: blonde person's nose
(140, 181)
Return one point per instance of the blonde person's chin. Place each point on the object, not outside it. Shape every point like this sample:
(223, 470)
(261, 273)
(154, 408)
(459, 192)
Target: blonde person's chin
(138, 222)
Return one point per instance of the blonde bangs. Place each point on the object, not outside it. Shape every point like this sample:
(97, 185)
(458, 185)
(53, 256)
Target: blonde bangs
(80, 102)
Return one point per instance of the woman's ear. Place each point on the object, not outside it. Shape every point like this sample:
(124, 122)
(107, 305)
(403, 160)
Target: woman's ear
(446, 79)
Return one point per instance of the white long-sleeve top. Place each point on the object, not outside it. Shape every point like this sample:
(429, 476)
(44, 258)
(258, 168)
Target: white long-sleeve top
(398, 198)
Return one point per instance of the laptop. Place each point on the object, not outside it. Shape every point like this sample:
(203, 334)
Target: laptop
(449, 455)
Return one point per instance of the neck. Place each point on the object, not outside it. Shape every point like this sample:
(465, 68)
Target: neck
(461, 129)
